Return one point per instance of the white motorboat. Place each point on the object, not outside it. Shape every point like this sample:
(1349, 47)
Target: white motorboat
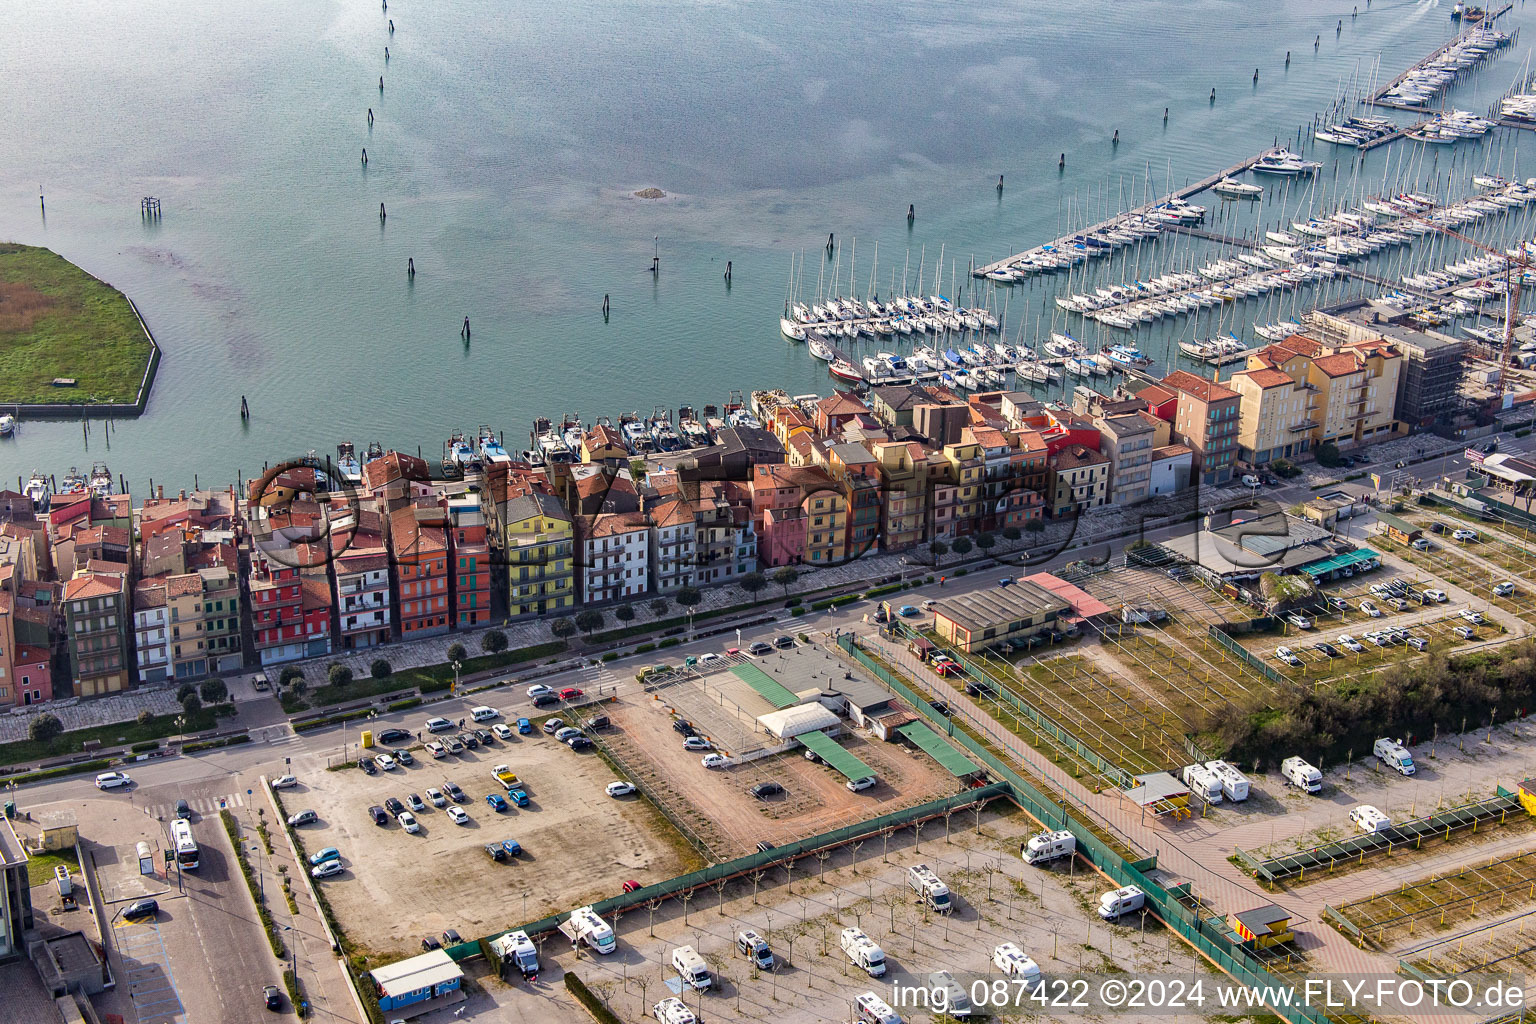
(7, 425)
(1237, 189)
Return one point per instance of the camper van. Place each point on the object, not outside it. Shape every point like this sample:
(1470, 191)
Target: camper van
(1203, 783)
(1234, 784)
(1369, 819)
(517, 950)
(863, 951)
(1394, 755)
(1114, 905)
(1048, 846)
(1302, 775)
(593, 930)
(922, 880)
(874, 1010)
(692, 968)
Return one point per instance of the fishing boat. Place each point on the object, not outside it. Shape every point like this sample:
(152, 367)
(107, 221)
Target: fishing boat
(693, 430)
(101, 480)
(347, 466)
(491, 451)
(74, 481)
(1233, 189)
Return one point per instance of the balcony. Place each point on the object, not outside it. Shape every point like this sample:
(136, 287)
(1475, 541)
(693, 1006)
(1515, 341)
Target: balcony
(1302, 425)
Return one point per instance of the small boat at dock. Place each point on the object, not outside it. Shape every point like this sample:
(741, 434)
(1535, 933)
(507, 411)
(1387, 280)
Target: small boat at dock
(347, 466)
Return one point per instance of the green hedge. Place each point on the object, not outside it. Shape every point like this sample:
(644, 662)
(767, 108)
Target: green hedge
(121, 733)
(439, 677)
(594, 1005)
(645, 648)
(139, 748)
(318, 723)
(274, 937)
(401, 705)
(295, 995)
(889, 588)
(68, 769)
(670, 641)
(222, 741)
(611, 656)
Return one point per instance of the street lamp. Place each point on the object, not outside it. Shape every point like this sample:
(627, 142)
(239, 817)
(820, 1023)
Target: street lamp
(456, 677)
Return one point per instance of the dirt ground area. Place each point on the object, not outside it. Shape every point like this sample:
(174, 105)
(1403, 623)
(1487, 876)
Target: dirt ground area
(1047, 912)
(579, 843)
(730, 820)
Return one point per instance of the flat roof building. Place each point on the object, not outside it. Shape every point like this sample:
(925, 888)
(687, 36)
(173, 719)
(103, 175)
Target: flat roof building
(987, 617)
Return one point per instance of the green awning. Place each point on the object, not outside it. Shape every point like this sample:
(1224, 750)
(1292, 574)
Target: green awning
(1340, 561)
(936, 747)
(835, 755)
(767, 687)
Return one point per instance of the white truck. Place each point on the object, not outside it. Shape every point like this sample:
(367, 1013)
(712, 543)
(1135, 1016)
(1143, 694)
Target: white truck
(1394, 755)
(922, 880)
(692, 968)
(593, 930)
(1234, 784)
(1203, 782)
(1048, 846)
(517, 949)
(1302, 775)
(1114, 905)
(863, 951)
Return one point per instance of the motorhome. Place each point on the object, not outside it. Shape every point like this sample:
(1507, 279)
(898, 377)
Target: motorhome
(863, 951)
(1114, 905)
(593, 930)
(692, 968)
(516, 949)
(1048, 846)
(874, 1010)
(1394, 755)
(1234, 784)
(922, 880)
(1302, 775)
(1203, 782)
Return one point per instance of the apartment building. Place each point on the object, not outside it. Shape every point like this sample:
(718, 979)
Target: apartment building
(469, 554)
(1353, 386)
(612, 556)
(96, 631)
(418, 540)
(362, 599)
(858, 474)
(1079, 481)
(903, 492)
(673, 544)
(1279, 415)
(1429, 380)
(536, 544)
(1206, 420)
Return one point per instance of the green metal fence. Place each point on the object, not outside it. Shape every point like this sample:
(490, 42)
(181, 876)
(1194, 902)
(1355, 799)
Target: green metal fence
(1207, 935)
(1247, 657)
(1021, 706)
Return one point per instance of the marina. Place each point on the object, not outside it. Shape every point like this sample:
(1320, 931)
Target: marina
(1424, 81)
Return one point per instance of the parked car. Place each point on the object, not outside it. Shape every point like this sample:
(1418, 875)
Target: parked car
(684, 726)
(430, 943)
(566, 733)
(572, 692)
(1504, 589)
(578, 742)
(368, 765)
(766, 789)
(385, 762)
(697, 743)
(437, 798)
(457, 816)
(1299, 620)
(855, 785)
(497, 802)
(393, 805)
(284, 782)
(402, 757)
(553, 726)
(618, 789)
(141, 908)
(438, 725)
(454, 792)
(763, 846)
(908, 611)
(1437, 527)
(436, 749)
(113, 780)
(502, 731)
(976, 689)
(1422, 544)
(1288, 656)
(391, 736)
(539, 690)
(544, 700)
(596, 722)
(518, 797)
(1249, 480)
(453, 745)
(524, 726)
(1370, 609)
(1329, 649)
(1349, 643)
(408, 822)
(303, 818)
(709, 658)
(1398, 603)
(1463, 535)
(784, 642)
(469, 739)
(760, 648)
(377, 814)
(451, 937)
(1465, 632)
(1472, 616)
(713, 761)
(942, 707)
(1337, 603)
(1438, 596)
(484, 736)
(630, 885)
(1006, 581)
(415, 802)
(1418, 643)
(326, 870)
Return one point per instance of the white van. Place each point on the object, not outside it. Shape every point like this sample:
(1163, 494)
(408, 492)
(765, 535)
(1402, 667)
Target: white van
(1114, 905)
(483, 713)
(874, 1010)
(692, 968)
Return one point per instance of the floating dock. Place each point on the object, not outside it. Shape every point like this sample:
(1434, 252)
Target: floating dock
(1378, 101)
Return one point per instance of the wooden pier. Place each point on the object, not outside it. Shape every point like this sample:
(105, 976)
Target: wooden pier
(1211, 236)
(1184, 193)
(1377, 101)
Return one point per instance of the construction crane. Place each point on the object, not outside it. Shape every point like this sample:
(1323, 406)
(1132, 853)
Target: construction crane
(1513, 284)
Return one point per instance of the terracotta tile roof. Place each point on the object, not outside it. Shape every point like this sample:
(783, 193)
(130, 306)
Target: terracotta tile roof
(806, 477)
(1300, 344)
(362, 561)
(149, 593)
(1171, 451)
(1078, 457)
(1155, 395)
(1341, 364)
(182, 586)
(1379, 347)
(1266, 378)
(92, 585)
(393, 466)
(611, 524)
(1151, 418)
(672, 513)
(841, 403)
(1197, 387)
(1031, 441)
(604, 436)
(988, 437)
(315, 591)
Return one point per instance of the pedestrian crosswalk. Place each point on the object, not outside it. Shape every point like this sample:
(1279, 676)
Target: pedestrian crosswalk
(201, 806)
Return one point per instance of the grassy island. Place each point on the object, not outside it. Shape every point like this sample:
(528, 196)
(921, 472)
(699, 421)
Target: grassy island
(58, 322)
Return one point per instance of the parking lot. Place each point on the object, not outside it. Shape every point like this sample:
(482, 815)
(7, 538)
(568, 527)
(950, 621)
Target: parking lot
(579, 844)
(715, 804)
